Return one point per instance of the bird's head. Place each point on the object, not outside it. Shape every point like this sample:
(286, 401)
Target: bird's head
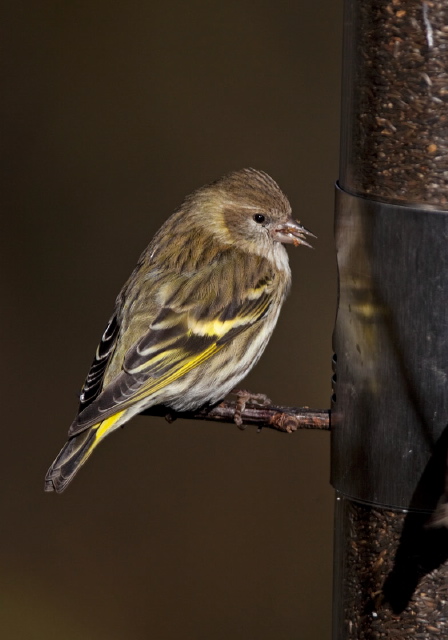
(248, 209)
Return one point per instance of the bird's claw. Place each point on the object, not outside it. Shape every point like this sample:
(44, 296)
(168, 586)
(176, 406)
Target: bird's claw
(246, 397)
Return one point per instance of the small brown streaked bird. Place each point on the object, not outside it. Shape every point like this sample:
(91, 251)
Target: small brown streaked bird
(195, 315)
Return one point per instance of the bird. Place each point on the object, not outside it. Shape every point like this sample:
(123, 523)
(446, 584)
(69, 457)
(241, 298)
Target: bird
(195, 315)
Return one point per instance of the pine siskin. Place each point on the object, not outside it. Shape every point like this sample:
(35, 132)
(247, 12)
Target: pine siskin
(195, 315)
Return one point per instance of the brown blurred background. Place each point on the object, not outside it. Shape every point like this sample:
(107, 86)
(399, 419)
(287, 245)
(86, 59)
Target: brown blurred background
(111, 113)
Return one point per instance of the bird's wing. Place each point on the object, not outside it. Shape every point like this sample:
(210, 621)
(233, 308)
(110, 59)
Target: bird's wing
(185, 333)
(94, 381)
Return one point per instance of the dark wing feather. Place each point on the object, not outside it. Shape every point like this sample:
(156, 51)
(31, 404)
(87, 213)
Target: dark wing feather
(94, 381)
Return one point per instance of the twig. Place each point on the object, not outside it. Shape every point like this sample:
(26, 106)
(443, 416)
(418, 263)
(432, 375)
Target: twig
(287, 419)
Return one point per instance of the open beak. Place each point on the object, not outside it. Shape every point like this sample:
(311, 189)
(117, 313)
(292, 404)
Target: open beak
(292, 232)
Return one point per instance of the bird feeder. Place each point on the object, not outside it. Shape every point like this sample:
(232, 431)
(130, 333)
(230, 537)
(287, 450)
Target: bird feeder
(390, 402)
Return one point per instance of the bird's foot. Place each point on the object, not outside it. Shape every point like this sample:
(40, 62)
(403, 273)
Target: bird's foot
(246, 397)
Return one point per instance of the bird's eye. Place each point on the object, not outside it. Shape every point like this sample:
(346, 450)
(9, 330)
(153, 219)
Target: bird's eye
(259, 217)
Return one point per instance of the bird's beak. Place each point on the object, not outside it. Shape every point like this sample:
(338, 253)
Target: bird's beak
(291, 232)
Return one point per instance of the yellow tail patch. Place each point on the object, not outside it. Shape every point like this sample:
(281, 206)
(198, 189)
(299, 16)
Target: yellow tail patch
(106, 425)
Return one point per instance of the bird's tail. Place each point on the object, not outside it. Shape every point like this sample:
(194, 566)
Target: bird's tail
(75, 453)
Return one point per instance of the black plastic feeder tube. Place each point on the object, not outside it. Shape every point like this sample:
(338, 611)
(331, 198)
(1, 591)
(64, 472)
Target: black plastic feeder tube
(390, 402)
